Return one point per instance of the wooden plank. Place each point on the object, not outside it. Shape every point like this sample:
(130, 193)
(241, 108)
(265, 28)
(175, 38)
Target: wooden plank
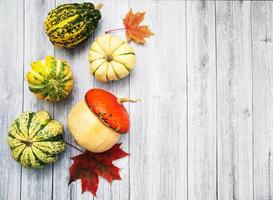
(83, 82)
(112, 13)
(36, 184)
(201, 65)
(78, 60)
(158, 140)
(234, 100)
(11, 87)
(262, 51)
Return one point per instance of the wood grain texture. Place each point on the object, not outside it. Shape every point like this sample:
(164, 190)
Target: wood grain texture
(201, 70)
(113, 12)
(204, 127)
(11, 87)
(234, 100)
(262, 51)
(78, 60)
(33, 31)
(158, 140)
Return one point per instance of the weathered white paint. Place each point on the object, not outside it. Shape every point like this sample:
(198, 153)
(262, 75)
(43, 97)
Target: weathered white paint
(262, 51)
(201, 70)
(35, 184)
(78, 59)
(203, 129)
(114, 11)
(234, 100)
(11, 88)
(158, 140)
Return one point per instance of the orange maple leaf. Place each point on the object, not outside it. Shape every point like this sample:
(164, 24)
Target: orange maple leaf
(134, 31)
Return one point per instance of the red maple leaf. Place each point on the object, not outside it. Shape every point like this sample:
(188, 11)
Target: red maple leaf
(88, 166)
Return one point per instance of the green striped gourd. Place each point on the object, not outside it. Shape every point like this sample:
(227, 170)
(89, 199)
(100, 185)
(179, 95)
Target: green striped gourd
(35, 139)
(50, 79)
(70, 24)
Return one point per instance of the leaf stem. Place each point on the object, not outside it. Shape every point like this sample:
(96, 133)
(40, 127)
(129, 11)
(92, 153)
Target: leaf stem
(73, 146)
(116, 29)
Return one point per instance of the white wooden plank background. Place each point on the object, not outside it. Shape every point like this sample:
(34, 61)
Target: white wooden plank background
(262, 49)
(201, 67)
(234, 100)
(203, 130)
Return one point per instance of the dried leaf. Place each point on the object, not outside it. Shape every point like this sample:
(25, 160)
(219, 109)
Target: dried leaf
(134, 31)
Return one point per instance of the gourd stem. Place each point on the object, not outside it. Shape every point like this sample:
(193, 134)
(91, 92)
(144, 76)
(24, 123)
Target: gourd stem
(73, 146)
(98, 6)
(125, 99)
(112, 30)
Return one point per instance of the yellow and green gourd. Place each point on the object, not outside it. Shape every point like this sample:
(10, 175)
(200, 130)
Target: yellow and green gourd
(50, 79)
(35, 139)
(70, 24)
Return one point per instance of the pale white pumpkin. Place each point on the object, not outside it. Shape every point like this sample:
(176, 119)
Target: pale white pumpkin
(88, 131)
(111, 58)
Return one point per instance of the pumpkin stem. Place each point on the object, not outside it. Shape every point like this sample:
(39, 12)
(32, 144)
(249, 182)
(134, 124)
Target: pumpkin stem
(98, 6)
(125, 99)
(27, 142)
(73, 146)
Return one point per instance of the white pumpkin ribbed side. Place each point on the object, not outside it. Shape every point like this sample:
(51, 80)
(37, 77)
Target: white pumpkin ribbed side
(111, 58)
